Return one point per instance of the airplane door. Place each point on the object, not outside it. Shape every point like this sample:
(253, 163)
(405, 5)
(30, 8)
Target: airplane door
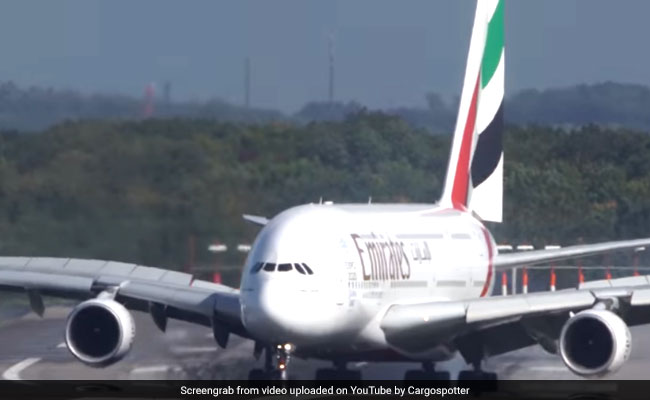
(341, 278)
(479, 263)
(454, 274)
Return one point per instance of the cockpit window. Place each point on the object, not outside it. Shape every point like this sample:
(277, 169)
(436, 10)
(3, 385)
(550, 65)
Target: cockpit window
(284, 267)
(257, 267)
(306, 267)
(299, 268)
(302, 268)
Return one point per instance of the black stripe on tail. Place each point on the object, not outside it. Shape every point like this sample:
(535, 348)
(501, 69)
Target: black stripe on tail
(488, 149)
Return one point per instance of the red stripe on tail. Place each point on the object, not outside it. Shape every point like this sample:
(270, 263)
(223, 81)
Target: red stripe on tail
(461, 180)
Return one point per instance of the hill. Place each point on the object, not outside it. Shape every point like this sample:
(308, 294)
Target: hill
(607, 104)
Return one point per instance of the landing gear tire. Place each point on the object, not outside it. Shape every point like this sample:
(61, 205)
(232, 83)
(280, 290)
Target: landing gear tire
(414, 375)
(490, 376)
(326, 374)
(467, 376)
(477, 376)
(273, 375)
(330, 374)
(483, 381)
(441, 376)
(257, 375)
(419, 375)
(349, 375)
(427, 373)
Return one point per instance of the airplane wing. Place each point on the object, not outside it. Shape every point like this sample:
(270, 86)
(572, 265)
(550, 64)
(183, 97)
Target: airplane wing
(523, 258)
(256, 219)
(163, 293)
(478, 327)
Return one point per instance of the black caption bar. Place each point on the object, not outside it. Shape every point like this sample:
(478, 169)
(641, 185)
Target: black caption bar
(601, 390)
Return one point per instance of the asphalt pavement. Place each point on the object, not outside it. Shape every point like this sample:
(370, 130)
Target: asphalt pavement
(32, 348)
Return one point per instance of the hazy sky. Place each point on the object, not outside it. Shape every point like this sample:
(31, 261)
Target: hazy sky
(388, 52)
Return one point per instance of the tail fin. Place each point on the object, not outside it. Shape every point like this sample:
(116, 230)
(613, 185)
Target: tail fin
(475, 173)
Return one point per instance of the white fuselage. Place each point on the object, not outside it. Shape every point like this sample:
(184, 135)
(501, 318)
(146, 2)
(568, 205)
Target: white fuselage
(363, 259)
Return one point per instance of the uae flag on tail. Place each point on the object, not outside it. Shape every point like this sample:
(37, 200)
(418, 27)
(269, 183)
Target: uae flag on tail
(475, 174)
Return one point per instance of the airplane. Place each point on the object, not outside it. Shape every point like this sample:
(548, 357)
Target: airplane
(370, 282)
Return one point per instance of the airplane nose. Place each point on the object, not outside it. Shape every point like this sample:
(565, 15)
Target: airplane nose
(268, 310)
(278, 312)
(274, 302)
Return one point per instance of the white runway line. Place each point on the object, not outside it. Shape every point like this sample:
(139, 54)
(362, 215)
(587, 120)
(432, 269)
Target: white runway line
(150, 369)
(160, 371)
(177, 334)
(192, 349)
(150, 372)
(549, 368)
(13, 372)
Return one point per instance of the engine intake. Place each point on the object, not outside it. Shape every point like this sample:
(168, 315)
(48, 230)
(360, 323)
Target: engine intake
(595, 343)
(99, 332)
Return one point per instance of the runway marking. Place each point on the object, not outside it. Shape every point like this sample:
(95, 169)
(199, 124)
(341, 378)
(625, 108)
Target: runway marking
(150, 369)
(177, 333)
(192, 349)
(549, 368)
(13, 372)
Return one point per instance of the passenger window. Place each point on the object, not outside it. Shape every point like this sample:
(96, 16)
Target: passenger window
(284, 267)
(299, 268)
(256, 268)
(306, 267)
(269, 267)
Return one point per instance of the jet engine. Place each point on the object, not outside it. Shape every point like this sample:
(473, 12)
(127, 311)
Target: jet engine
(594, 343)
(99, 332)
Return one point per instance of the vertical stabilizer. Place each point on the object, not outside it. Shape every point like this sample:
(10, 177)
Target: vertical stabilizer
(475, 174)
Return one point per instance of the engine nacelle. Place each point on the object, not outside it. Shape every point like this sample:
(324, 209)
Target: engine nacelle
(594, 343)
(99, 332)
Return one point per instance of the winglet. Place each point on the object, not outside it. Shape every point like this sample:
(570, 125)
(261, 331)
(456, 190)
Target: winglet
(255, 219)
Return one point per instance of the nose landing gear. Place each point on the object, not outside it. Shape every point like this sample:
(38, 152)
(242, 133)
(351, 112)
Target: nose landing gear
(283, 355)
(278, 370)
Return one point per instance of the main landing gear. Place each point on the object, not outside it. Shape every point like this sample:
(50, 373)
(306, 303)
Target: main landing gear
(340, 372)
(276, 364)
(427, 373)
(477, 374)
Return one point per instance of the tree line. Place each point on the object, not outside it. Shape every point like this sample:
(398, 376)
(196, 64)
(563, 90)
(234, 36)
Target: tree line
(136, 191)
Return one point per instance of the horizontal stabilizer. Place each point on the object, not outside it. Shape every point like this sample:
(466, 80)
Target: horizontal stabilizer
(255, 219)
(583, 250)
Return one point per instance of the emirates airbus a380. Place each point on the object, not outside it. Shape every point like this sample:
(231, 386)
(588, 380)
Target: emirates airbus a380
(370, 282)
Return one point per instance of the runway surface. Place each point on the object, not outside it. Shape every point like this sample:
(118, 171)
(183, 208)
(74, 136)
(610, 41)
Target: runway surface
(32, 348)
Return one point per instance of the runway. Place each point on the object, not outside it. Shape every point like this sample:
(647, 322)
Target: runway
(32, 348)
